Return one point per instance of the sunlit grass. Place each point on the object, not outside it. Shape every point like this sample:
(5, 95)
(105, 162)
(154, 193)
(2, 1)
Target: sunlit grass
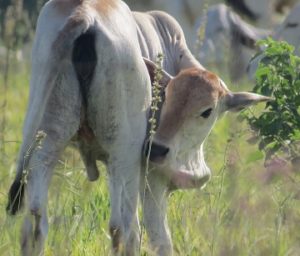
(243, 210)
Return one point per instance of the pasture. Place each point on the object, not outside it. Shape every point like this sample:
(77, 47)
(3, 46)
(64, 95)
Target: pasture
(245, 209)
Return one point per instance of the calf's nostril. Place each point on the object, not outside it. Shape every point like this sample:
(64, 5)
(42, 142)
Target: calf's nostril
(157, 151)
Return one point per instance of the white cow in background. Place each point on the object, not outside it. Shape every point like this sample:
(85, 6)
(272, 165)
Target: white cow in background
(289, 31)
(229, 41)
(261, 11)
(90, 84)
(186, 12)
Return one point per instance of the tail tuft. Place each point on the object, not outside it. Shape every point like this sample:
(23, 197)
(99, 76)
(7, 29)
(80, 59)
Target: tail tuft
(15, 197)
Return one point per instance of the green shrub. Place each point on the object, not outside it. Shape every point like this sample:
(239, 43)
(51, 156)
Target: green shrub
(278, 76)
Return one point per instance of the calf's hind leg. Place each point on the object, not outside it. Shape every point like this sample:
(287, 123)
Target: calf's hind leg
(60, 122)
(124, 187)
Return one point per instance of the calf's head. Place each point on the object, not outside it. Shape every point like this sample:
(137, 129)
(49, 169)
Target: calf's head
(194, 99)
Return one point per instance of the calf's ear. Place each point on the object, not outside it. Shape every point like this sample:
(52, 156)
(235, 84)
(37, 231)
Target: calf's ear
(152, 67)
(240, 100)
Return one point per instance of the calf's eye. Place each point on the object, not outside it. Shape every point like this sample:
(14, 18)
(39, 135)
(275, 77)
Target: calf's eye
(206, 113)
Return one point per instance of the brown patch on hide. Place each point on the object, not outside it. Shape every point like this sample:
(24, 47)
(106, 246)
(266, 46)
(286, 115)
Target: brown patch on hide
(65, 7)
(103, 7)
(191, 90)
(86, 133)
(116, 235)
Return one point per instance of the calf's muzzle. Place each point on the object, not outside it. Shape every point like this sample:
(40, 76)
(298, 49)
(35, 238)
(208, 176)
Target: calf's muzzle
(157, 152)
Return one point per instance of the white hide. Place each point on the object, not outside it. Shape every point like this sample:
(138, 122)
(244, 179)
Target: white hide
(185, 12)
(289, 31)
(229, 41)
(264, 9)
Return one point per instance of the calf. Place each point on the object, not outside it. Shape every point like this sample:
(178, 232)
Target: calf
(194, 99)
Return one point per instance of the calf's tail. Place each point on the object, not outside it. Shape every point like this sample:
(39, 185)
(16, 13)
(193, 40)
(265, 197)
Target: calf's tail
(76, 25)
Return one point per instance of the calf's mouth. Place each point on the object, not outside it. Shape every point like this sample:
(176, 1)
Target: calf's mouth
(158, 152)
(180, 175)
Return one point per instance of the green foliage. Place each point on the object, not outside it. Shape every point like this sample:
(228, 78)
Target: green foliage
(241, 211)
(278, 76)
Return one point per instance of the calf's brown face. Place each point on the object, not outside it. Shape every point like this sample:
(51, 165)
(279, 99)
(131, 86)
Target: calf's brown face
(192, 94)
(194, 99)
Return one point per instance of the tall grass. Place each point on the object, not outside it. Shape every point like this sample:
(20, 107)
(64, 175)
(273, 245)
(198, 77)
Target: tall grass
(245, 209)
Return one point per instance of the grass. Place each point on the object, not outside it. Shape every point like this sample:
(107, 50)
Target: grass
(244, 209)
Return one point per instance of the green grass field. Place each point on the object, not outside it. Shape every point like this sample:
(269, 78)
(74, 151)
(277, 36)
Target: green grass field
(244, 209)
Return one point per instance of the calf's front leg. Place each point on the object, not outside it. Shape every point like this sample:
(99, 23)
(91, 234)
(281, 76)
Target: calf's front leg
(154, 193)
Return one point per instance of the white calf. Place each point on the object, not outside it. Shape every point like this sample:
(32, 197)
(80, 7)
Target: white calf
(194, 99)
(88, 81)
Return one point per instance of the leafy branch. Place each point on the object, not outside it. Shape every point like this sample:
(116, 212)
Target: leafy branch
(278, 76)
